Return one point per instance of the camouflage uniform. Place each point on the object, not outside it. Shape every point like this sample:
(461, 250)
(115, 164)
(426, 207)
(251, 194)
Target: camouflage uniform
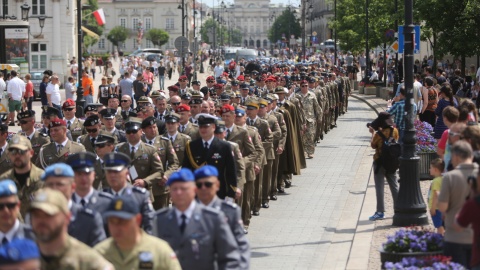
(312, 113)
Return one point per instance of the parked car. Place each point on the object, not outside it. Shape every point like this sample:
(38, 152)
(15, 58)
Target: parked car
(36, 80)
(153, 57)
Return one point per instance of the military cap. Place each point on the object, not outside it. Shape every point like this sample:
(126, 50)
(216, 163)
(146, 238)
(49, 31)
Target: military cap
(252, 104)
(224, 96)
(19, 142)
(172, 118)
(205, 119)
(244, 86)
(241, 78)
(238, 95)
(57, 122)
(18, 250)
(143, 99)
(108, 113)
(234, 83)
(218, 86)
(155, 94)
(25, 114)
(197, 95)
(280, 90)
(240, 111)
(132, 125)
(113, 96)
(173, 88)
(69, 103)
(255, 72)
(104, 138)
(210, 79)
(183, 108)
(149, 121)
(58, 170)
(262, 103)
(220, 127)
(115, 161)
(90, 108)
(8, 188)
(186, 97)
(227, 108)
(125, 114)
(268, 98)
(50, 111)
(91, 121)
(273, 97)
(196, 83)
(205, 171)
(271, 79)
(124, 207)
(140, 109)
(195, 101)
(82, 162)
(182, 175)
(311, 80)
(183, 77)
(50, 201)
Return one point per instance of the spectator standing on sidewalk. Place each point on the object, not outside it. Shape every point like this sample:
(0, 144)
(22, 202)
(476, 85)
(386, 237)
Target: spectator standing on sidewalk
(161, 75)
(15, 90)
(28, 91)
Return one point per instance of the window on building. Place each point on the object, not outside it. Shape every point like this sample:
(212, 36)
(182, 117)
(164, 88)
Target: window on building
(123, 22)
(38, 7)
(39, 56)
(251, 28)
(169, 23)
(258, 29)
(101, 43)
(4, 7)
(148, 23)
(135, 23)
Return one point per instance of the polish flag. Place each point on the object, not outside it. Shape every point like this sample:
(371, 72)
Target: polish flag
(100, 16)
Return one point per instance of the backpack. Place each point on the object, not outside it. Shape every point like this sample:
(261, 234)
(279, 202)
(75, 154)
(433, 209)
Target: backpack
(391, 151)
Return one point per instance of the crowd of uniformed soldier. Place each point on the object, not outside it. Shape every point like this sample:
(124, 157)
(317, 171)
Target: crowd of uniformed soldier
(217, 154)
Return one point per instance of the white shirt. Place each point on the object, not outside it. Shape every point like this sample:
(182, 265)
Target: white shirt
(209, 142)
(174, 136)
(86, 198)
(54, 91)
(136, 146)
(188, 213)
(11, 232)
(16, 87)
(218, 70)
(63, 143)
(3, 85)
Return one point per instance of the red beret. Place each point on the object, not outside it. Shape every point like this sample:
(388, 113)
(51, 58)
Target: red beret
(183, 108)
(271, 79)
(241, 78)
(218, 86)
(210, 79)
(69, 103)
(57, 122)
(227, 108)
(183, 77)
(173, 88)
(225, 74)
(303, 81)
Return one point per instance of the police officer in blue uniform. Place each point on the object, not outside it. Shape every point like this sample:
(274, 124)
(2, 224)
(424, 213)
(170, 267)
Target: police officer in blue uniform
(86, 225)
(116, 171)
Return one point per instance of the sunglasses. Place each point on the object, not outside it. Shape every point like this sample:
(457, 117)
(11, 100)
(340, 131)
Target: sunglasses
(175, 103)
(10, 206)
(206, 184)
(23, 122)
(210, 81)
(123, 100)
(218, 111)
(131, 131)
(182, 80)
(304, 85)
(101, 145)
(92, 130)
(17, 151)
(68, 109)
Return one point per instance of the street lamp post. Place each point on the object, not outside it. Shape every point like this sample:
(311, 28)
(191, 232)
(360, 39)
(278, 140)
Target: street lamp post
(410, 208)
(310, 8)
(335, 45)
(367, 50)
(80, 100)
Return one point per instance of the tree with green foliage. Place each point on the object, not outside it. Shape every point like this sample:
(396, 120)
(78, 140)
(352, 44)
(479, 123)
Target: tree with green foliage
(157, 36)
(284, 26)
(91, 24)
(221, 32)
(118, 34)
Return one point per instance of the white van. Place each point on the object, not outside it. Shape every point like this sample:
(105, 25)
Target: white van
(247, 54)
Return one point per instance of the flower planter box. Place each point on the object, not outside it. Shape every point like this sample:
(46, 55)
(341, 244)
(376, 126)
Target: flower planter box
(370, 90)
(397, 257)
(361, 90)
(424, 166)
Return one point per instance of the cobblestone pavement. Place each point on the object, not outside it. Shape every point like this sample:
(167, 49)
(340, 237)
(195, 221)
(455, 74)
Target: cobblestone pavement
(313, 227)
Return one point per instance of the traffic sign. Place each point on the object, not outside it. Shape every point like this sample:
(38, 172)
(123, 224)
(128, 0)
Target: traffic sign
(394, 46)
(314, 33)
(416, 40)
(181, 42)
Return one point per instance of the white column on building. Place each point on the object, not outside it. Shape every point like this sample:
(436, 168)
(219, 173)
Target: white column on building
(56, 59)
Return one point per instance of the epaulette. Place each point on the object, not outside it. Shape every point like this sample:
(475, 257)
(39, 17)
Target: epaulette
(140, 189)
(195, 125)
(43, 134)
(187, 136)
(252, 127)
(162, 211)
(149, 145)
(165, 138)
(87, 211)
(263, 120)
(230, 204)
(211, 210)
(105, 195)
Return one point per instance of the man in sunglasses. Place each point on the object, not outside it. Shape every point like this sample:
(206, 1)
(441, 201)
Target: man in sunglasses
(61, 146)
(126, 104)
(179, 140)
(22, 171)
(74, 124)
(186, 127)
(206, 180)
(209, 87)
(10, 225)
(183, 88)
(104, 145)
(92, 126)
(109, 124)
(27, 124)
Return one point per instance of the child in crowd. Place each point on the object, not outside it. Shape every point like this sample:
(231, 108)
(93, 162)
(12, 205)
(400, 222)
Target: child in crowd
(436, 168)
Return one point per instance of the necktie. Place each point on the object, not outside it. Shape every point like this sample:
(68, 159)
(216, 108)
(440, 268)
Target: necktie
(1, 151)
(184, 223)
(59, 148)
(228, 133)
(4, 241)
(150, 142)
(171, 139)
(132, 153)
(182, 128)
(29, 138)
(93, 141)
(68, 124)
(160, 116)
(82, 202)
(205, 145)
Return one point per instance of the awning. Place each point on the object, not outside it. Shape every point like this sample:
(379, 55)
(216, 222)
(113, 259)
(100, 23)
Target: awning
(90, 32)
(9, 67)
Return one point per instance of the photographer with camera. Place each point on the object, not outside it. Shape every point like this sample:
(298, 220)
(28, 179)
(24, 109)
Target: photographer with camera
(385, 161)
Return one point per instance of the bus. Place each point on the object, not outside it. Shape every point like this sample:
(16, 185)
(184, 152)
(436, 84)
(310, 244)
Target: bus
(230, 54)
(247, 54)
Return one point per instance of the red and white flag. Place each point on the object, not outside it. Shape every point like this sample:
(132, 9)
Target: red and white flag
(99, 16)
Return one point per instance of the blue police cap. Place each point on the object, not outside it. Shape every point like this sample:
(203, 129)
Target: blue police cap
(124, 207)
(183, 175)
(115, 161)
(8, 188)
(240, 111)
(206, 171)
(18, 250)
(57, 169)
(82, 162)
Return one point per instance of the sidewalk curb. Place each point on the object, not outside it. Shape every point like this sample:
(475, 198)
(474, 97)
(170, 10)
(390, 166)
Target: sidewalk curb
(365, 101)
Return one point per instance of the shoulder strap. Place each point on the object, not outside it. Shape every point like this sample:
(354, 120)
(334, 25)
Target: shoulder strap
(383, 136)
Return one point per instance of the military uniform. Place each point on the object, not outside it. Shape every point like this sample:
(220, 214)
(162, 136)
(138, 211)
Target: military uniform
(98, 201)
(267, 170)
(100, 181)
(149, 253)
(38, 140)
(76, 128)
(5, 163)
(239, 164)
(46, 130)
(312, 112)
(25, 193)
(48, 153)
(88, 142)
(76, 256)
(280, 143)
(179, 144)
(207, 242)
(190, 130)
(86, 225)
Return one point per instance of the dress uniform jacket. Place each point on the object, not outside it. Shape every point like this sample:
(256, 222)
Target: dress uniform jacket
(220, 155)
(207, 242)
(5, 163)
(86, 225)
(37, 140)
(239, 165)
(98, 201)
(23, 232)
(274, 128)
(232, 213)
(48, 153)
(179, 144)
(86, 141)
(191, 130)
(76, 256)
(76, 128)
(118, 134)
(25, 193)
(260, 158)
(100, 181)
(278, 113)
(149, 253)
(267, 137)
(241, 137)
(142, 196)
(169, 161)
(146, 161)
